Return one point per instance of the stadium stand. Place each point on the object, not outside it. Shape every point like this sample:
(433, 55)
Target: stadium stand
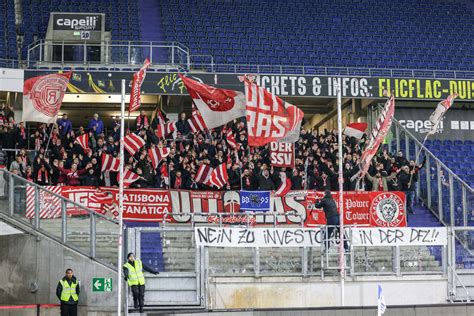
(8, 48)
(120, 18)
(386, 34)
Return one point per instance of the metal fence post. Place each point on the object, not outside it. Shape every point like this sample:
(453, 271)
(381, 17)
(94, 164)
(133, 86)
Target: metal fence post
(11, 193)
(62, 53)
(464, 205)
(37, 208)
(172, 54)
(451, 199)
(407, 146)
(397, 137)
(397, 265)
(256, 261)
(85, 53)
(63, 222)
(428, 181)
(93, 239)
(304, 263)
(440, 193)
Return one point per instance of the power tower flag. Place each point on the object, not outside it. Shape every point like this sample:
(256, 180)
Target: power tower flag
(43, 96)
(217, 106)
(135, 93)
(269, 118)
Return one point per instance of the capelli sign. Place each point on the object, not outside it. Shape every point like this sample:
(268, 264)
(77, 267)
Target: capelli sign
(77, 22)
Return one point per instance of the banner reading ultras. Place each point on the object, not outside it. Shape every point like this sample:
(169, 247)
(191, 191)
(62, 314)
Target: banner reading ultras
(281, 85)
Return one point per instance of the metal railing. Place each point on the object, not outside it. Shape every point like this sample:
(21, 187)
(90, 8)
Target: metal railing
(88, 232)
(120, 54)
(447, 195)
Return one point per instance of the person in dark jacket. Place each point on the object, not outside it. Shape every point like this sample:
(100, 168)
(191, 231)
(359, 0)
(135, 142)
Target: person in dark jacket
(182, 125)
(329, 207)
(133, 274)
(67, 291)
(407, 179)
(265, 182)
(90, 178)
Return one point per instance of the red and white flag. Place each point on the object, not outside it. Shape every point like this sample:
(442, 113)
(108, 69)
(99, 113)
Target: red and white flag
(196, 123)
(128, 177)
(160, 117)
(217, 106)
(110, 163)
(231, 139)
(164, 172)
(219, 176)
(382, 126)
(102, 197)
(132, 143)
(282, 154)
(285, 185)
(355, 130)
(43, 96)
(269, 118)
(163, 130)
(135, 93)
(437, 116)
(83, 141)
(203, 174)
(157, 154)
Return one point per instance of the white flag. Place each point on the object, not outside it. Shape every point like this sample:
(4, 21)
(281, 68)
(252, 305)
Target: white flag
(43, 96)
(381, 307)
(217, 106)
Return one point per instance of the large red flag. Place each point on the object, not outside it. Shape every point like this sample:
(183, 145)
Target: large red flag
(219, 176)
(43, 96)
(162, 130)
(83, 141)
(217, 106)
(132, 143)
(380, 130)
(135, 93)
(128, 177)
(157, 154)
(269, 118)
(203, 174)
(110, 163)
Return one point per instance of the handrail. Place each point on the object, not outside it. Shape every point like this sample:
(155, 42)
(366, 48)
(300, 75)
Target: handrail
(456, 276)
(91, 212)
(431, 154)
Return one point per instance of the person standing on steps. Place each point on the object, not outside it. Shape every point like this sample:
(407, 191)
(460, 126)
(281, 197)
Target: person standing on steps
(133, 272)
(329, 207)
(67, 292)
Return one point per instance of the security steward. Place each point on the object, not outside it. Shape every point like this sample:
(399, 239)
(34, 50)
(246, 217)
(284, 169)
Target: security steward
(67, 292)
(133, 272)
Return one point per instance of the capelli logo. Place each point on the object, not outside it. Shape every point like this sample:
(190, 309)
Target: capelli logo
(77, 23)
(420, 126)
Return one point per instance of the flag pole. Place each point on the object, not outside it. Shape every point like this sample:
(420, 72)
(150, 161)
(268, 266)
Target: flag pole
(120, 233)
(341, 183)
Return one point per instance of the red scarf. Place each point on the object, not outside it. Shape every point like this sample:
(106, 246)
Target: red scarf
(380, 185)
(23, 132)
(38, 143)
(141, 124)
(177, 183)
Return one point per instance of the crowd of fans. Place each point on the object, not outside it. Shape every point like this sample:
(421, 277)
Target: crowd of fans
(316, 162)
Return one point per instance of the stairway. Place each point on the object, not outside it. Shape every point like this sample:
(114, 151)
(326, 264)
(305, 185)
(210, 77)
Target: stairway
(423, 217)
(151, 29)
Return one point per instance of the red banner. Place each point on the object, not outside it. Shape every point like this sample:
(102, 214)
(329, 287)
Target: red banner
(378, 209)
(282, 154)
(139, 204)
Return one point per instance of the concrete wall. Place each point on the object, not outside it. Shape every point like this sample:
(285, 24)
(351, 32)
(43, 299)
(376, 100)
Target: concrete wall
(28, 262)
(297, 292)
(458, 310)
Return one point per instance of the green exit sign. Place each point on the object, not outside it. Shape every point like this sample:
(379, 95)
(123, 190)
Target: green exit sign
(101, 284)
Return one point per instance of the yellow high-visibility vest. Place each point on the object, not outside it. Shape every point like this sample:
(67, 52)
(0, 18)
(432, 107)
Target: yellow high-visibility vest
(68, 291)
(135, 274)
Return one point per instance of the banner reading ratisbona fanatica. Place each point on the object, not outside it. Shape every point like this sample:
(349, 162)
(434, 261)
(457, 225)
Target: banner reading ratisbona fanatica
(376, 209)
(279, 84)
(304, 237)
